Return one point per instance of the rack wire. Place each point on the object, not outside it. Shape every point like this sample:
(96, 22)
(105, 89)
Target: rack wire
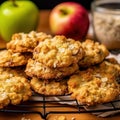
(45, 105)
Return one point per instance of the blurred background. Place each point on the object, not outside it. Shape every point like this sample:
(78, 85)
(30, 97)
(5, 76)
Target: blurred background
(49, 4)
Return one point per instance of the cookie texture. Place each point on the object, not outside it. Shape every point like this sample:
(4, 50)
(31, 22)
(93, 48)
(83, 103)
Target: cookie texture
(41, 71)
(51, 88)
(111, 66)
(94, 53)
(13, 71)
(95, 85)
(10, 59)
(14, 88)
(58, 52)
(26, 42)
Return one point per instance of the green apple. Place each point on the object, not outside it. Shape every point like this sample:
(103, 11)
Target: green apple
(17, 16)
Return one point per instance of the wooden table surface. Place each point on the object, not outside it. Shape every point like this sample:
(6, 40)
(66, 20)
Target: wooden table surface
(44, 27)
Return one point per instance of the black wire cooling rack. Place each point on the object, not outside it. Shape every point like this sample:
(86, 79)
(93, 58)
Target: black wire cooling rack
(41, 104)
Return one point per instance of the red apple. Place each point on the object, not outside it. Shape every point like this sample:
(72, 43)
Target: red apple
(69, 19)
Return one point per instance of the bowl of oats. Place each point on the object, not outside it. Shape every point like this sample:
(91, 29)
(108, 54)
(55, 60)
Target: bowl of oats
(106, 22)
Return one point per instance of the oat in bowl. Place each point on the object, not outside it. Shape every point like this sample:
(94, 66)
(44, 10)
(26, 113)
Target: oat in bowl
(106, 22)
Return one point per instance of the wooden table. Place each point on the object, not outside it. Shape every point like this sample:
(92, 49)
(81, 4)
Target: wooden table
(44, 27)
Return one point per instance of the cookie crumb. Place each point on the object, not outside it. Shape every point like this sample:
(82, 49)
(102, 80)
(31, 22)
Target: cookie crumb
(61, 118)
(73, 118)
(23, 118)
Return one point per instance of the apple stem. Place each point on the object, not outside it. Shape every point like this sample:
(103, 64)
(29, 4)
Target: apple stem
(63, 12)
(14, 3)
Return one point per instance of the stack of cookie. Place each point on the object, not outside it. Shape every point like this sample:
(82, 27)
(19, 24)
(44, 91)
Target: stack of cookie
(56, 65)
(96, 82)
(53, 60)
(14, 84)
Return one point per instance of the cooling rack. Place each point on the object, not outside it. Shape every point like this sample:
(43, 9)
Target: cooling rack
(45, 105)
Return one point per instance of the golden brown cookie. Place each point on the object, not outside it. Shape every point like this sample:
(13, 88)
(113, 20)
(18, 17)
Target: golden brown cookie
(10, 59)
(23, 42)
(110, 66)
(58, 52)
(40, 70)
(14, 88)
(49, 88)
(94, 53)
(95, 85)
(14, 71)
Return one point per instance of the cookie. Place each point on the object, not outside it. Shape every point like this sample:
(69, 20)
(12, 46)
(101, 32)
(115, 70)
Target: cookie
(23, 42)
(13, 71)
(14, 88)
(94, 53)
(10, 59)
(51, 88)
(58, 52)
(94, 85)
(110, 66)
(41, 71)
